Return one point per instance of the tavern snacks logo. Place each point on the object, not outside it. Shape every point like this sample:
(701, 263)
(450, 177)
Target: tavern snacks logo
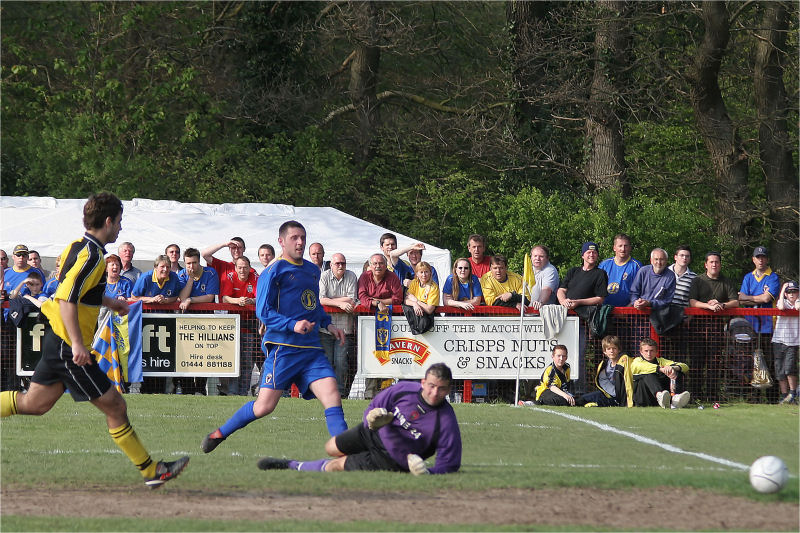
(405, 351)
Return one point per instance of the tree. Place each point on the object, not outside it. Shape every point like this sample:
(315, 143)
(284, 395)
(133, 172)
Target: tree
(775, 146)
(364, 77)
(723, 143)
(605, 146)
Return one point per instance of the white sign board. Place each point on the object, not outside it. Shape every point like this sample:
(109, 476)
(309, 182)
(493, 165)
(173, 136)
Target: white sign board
(473, 348)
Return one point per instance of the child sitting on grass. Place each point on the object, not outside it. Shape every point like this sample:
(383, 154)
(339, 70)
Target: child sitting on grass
(553, 389)
(652, 376)
(614, 379)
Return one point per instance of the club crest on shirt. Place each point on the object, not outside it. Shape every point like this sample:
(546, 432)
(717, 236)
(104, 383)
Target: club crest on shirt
(308, 299)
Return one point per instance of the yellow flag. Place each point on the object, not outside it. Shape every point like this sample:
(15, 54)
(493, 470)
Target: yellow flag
(527, 274)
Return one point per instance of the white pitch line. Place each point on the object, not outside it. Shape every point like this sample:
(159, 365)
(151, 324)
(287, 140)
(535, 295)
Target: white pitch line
(646, 440)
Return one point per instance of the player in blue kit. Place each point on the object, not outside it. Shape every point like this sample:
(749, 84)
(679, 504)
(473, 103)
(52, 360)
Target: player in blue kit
(287, 303)
(404, 425)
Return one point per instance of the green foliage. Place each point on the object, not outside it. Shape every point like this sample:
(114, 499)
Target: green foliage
(562, 222)
(216, 102)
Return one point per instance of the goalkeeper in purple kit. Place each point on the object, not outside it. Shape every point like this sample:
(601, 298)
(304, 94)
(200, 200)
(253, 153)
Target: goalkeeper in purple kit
(403, 425)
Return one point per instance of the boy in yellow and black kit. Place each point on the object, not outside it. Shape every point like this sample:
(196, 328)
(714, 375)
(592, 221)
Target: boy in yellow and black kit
(554, 386)
(614, 379)
(653, 377)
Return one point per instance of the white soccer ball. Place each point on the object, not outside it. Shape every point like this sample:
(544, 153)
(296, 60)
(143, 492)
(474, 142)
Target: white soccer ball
(768, 474)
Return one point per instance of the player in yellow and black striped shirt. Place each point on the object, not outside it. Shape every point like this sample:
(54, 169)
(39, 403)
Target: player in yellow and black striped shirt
(71, 320)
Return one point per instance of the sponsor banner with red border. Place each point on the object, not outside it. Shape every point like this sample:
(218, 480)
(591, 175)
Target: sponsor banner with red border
(473, 347)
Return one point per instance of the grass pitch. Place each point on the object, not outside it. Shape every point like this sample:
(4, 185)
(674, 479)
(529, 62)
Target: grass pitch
(504, 447)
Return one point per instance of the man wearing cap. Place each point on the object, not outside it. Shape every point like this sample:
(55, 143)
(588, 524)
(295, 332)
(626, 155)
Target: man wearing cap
(586, 284)
(759, 289)
(14, 275)
(582, 286)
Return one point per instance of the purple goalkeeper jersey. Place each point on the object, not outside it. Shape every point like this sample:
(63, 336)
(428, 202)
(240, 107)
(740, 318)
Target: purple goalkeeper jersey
(418, 427)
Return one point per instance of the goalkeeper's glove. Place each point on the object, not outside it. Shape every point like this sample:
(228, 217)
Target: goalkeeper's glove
(416, 465)
(378, 417)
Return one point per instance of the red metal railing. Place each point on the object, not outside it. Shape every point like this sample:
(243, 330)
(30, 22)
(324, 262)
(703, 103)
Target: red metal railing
(721, 367)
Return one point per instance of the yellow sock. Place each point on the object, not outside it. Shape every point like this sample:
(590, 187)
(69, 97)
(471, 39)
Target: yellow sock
(125, 437)
(8, 403)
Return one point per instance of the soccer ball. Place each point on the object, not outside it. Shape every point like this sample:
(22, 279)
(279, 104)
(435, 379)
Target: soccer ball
(768, 474)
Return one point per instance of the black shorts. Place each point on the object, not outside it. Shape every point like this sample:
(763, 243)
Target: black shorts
(364, 450)
(83, 382)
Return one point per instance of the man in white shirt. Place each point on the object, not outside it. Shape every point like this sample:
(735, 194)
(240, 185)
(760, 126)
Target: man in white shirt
(546, 276)
(338, 287)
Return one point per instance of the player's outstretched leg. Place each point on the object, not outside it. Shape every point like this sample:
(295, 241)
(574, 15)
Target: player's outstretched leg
(166, 471)
(112, 404)
(327, 391)
(262, 406)
(37, 401)
(8, 403)
(273, 463)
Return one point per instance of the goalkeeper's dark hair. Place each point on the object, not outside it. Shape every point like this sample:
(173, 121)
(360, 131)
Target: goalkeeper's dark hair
(440, 371)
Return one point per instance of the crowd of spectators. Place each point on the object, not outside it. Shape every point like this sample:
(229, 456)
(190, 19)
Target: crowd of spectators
(659, 288)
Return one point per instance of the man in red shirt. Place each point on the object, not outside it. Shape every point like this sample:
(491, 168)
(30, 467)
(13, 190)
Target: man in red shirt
(225, 269)
(481, 264)
(377, 287)
(241, 290)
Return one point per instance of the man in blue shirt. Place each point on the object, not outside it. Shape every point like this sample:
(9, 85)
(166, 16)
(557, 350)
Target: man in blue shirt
(621, 269)
(158, 286)
(654, 285)
(759, 289)
(404, 425)
(200, 285)
(20, 270)
(287, 303)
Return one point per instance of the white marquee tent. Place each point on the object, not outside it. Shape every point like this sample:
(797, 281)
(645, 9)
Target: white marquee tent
(49, 224)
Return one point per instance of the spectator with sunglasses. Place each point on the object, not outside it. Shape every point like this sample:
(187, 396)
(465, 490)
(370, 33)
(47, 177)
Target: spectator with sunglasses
(338, 287)
(462, 288)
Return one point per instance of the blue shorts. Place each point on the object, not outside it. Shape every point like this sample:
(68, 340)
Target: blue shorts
(285, 365)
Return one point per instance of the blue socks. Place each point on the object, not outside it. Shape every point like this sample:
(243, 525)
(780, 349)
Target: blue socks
(334, 418)
(309, 466)
(240, 419)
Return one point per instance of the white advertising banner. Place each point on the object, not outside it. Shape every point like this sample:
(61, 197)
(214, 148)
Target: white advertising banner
(473, 348)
